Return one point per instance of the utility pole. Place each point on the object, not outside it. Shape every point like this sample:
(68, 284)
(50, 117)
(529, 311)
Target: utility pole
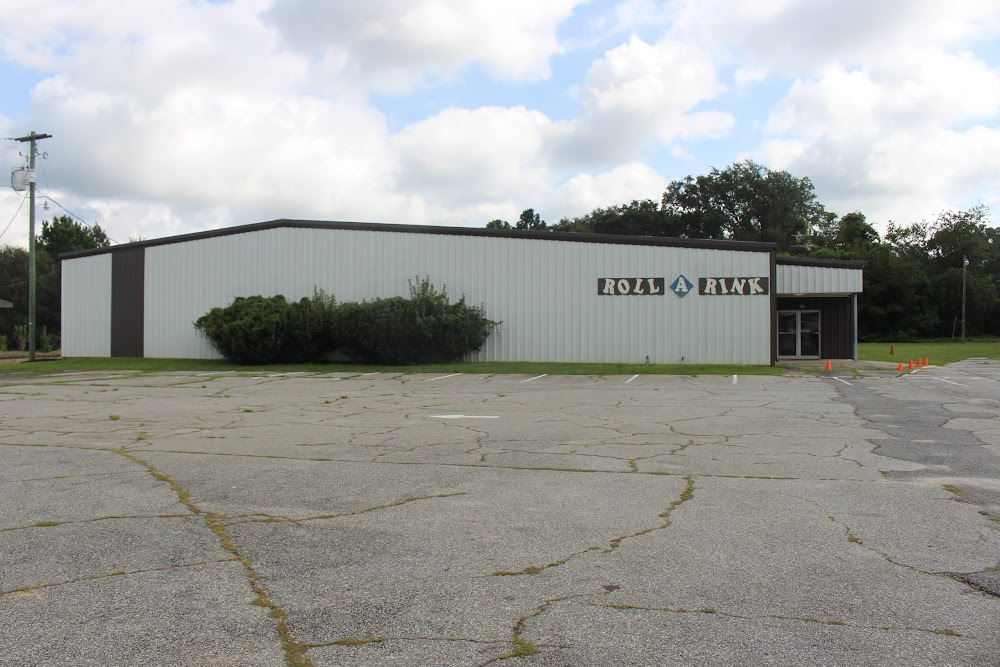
(31, 139)
(965, 263)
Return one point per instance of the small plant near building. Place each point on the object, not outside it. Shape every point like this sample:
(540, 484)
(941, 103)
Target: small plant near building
(21, 336)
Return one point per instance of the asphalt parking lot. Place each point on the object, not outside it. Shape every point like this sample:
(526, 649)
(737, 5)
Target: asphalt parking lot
(333, 519)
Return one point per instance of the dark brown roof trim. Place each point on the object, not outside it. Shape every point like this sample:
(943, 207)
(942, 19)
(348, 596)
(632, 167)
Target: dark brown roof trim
(826, 263)
(745, 246)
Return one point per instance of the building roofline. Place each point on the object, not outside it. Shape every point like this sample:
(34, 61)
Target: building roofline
(825, 263)
(578, 237)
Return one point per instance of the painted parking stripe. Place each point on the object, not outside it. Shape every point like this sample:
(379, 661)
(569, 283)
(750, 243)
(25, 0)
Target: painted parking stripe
(631, 378)
(442, 377)
(844, 381)
(535, 378)
(957, 384)
(367, 374)
(465, 416)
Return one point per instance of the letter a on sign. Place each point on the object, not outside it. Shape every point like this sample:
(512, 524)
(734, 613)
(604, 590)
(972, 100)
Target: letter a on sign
(682, 286)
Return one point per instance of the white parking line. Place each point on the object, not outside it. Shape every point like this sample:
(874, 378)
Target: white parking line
(844, 381)
(367, 374)
(959, 384)
(535, 378)
(465, 416)
(442, 377)
(631, 378)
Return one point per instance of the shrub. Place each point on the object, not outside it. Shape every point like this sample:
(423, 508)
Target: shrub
(269, 330)
(21, 336)
(3, 343)
(44, 342)
(423, 328)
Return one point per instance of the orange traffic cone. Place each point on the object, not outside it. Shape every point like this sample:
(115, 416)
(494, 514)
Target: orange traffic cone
(900, 366)
(829, 366)
(927, 362)
(919, 362)
(911, 364)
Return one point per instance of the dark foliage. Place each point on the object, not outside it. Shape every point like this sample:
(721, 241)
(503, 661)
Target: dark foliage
(423, 328)
(269, 330)
(394, 331)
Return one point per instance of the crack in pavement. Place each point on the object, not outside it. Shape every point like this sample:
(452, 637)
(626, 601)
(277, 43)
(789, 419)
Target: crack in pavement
(52, 524)
(948, 632)
(266, 518)
(117, 573)
(294, 650)
(55, 477)
(686, 495)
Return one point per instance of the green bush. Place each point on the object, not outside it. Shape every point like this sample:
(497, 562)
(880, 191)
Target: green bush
(269, 330)
(393, 331)
(423, 328)
(3, 343)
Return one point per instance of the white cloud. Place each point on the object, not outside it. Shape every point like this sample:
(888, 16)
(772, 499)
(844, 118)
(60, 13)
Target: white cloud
(396, 44)
(489, 153)
(180, 115)
(800, 36)
(637, 93)
(585, 192)
(894, 139)
(650, 80)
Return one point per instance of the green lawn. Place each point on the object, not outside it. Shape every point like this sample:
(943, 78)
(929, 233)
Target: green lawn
(514, 367)
(938, 352)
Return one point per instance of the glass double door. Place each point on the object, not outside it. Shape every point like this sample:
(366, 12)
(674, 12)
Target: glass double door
(798, 334)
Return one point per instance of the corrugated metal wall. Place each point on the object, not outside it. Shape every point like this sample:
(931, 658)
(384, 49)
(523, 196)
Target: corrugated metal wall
(794, 279)
(545, 292)
(86, 307)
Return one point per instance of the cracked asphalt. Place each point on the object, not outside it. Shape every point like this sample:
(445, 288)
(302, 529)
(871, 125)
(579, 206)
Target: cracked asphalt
(335, 519)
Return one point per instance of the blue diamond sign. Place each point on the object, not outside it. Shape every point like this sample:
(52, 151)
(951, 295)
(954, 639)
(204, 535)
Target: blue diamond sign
(681, 286)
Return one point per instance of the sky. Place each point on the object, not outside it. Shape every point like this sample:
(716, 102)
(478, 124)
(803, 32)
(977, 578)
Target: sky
(177, 116)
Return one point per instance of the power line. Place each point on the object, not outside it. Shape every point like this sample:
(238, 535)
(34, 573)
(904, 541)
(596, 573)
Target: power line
(48, 198)
(19, 206)
(25, 282)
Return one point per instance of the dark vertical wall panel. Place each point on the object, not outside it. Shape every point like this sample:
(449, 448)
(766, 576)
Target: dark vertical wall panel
(128, 268)
(836, 322)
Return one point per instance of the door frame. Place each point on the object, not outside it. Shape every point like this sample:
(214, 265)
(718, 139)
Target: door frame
(798, 333)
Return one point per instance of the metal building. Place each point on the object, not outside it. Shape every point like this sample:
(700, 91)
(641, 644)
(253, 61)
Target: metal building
(560, 296)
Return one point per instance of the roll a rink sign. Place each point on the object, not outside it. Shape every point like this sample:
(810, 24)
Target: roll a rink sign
(720, 286)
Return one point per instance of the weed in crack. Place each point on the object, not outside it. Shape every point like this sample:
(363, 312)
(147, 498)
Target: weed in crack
(295, 651)
(951, 488)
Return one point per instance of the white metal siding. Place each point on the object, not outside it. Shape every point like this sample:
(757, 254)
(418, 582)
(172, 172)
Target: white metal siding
(86, 306)
(794, 279)
(545, 292)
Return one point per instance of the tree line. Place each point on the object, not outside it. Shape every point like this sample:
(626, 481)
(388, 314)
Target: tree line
(913, 273)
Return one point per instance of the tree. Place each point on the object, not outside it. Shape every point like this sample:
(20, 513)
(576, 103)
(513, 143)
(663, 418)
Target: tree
(64, 234)
(954, 237)
(638, 218)
(530, 220)
(744, 202)
(14, 288)
(498, 224)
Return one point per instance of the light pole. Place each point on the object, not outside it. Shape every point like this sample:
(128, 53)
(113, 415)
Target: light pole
(965, 263)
